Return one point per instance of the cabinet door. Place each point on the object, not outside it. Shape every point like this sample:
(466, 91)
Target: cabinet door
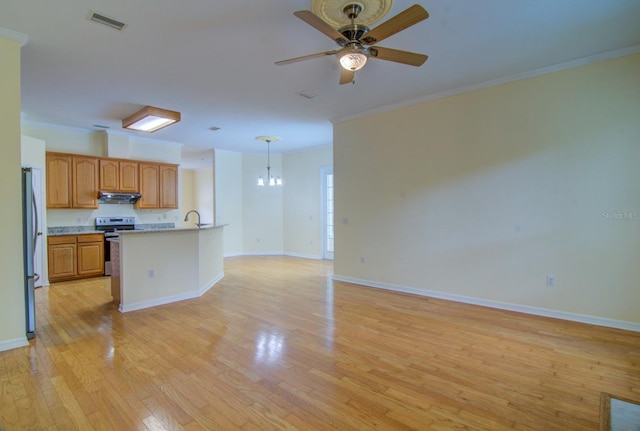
(58, 181)
(128, 176)
(62, 261)
(168, 186)
(149, 187)
(109, 175)
(85, 182)
(90, 258)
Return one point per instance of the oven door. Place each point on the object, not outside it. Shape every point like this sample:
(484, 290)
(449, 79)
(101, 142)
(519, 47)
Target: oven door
(107, 251)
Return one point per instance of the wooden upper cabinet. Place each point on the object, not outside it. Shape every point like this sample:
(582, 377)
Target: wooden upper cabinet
(118, 175)
(58, 180)
(129, 176)
(85, 182)
(73, 181)
(109, 175)
(168, 186)
(149, 185)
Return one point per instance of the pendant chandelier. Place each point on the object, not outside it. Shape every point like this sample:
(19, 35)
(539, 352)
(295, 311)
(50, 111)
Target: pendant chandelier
(269, 180)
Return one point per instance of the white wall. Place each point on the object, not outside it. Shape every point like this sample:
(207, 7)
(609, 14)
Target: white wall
(271, 220)
(12, 303)
(302, 201)
(204, 184)
(67, 139)
(228, 199)
(262, 212)
(187, 195)
(484, 194)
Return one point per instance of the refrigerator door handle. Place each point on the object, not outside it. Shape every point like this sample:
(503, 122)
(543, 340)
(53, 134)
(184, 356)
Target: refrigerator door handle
(36, 221)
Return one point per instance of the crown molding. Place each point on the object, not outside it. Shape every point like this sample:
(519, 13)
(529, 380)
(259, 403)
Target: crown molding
(609, 55)
(14, 35)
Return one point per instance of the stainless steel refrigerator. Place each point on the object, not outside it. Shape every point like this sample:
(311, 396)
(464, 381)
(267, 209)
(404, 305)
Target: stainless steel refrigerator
(30, 235)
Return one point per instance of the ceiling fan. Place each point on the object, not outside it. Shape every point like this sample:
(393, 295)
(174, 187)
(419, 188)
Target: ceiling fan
(356, 41)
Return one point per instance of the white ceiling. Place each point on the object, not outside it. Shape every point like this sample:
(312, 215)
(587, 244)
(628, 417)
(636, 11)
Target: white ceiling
(213, 61)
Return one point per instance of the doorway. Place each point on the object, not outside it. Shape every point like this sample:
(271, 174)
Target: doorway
(327, 213)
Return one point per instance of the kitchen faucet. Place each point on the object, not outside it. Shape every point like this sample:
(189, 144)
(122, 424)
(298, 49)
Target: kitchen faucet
(186, 218)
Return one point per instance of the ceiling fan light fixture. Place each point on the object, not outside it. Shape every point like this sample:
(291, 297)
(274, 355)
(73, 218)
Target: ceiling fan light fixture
(149, 119)
(352, 58)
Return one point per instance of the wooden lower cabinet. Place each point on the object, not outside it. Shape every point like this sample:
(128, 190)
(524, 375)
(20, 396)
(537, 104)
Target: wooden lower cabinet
(75, 256)
(62, 257)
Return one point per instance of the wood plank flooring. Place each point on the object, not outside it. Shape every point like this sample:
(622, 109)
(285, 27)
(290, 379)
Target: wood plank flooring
(278, 346)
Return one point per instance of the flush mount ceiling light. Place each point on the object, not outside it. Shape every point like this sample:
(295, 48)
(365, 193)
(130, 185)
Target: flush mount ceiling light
(271, 181)
(149, 119)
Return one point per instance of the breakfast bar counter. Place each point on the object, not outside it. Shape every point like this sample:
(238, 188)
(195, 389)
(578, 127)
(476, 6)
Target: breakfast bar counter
(160, 266)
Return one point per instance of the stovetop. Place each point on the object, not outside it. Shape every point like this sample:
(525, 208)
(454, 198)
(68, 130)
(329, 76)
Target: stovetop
(115, 223)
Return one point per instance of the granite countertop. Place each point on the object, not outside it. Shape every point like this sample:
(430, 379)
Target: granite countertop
(174, 229)
(71, 230)
(79, 230)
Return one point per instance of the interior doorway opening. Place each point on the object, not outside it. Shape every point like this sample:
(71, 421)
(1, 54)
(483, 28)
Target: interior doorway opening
(327, 213)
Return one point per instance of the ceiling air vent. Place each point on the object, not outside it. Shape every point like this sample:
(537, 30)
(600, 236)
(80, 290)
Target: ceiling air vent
(105, 20)
(306, 94)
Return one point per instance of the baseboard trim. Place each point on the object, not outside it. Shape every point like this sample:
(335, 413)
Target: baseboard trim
(303, 256)
(277, 253)
(526, 309)
(14, 343)
(170, 299)
(212, 283)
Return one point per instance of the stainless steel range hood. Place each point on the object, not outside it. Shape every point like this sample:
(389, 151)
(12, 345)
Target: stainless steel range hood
(105, 197)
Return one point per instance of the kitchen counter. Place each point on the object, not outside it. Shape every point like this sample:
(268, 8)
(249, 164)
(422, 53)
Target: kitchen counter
(79, 230)
(161, 266)
(171, 229)
(71, 230)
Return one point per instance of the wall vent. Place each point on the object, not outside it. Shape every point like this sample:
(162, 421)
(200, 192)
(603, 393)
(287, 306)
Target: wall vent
(105, 20)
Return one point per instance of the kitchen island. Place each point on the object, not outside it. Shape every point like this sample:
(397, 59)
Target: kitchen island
(160, 266)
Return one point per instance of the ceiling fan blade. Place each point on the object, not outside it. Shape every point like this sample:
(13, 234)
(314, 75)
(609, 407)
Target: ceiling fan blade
(317, 23)
(403, 20)
(404, 57)
(305, 57)
(346, 76)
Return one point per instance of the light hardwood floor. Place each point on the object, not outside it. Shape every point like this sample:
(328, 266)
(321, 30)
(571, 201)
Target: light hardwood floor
(278, 346)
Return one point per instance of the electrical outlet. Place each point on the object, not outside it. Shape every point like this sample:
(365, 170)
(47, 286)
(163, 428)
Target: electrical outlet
(151, 273)
(551, 280)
